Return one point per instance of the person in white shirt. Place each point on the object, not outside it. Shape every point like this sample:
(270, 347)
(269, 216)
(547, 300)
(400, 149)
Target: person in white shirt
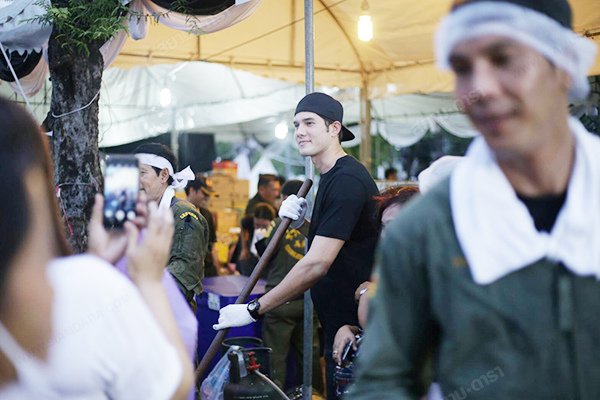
(73, 327)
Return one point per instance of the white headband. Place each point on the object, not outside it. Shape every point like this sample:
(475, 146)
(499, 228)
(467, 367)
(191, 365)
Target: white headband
(180, 179)
(563, 47)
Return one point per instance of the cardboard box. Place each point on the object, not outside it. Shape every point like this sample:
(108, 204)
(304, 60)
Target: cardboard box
(223, 184)
(227, 219)
(219, 204)
(225, 168)
(242, 188)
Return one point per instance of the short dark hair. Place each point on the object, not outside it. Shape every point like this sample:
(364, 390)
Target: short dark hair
(160, 150)
(195, 184)
(265, 179)
(291, 187)
(329, 122)
(264, 211)
(390, 171)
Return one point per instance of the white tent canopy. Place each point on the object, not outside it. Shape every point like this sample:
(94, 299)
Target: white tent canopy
(212, 98)
(215, 98)
(270, 42)
(233, 104)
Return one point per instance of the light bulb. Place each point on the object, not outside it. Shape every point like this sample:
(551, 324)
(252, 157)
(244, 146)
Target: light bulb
(165, 97)
(281, 130)
(365, 28)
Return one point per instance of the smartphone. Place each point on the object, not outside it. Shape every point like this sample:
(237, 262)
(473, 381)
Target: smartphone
(349, 353)
(121, 186)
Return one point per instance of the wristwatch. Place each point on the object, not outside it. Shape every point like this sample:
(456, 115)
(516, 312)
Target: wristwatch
(253, 308)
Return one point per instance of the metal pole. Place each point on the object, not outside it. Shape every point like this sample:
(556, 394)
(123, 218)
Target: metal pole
(309, 67)
(365, 125)
(174, 134)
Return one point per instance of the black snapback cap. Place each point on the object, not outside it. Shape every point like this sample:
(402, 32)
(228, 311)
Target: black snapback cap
(327, 107)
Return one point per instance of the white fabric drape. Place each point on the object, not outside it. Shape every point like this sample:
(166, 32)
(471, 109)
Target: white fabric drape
(18, 31)
(498, 243)
(199, 24)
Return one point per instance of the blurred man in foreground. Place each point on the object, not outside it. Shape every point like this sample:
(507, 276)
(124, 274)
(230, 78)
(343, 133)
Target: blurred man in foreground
(493, 274)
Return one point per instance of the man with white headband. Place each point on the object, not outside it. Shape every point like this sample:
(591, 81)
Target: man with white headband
(492, 277)
(190, 243)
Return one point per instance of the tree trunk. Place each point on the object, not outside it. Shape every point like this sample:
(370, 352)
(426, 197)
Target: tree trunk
(76, 79)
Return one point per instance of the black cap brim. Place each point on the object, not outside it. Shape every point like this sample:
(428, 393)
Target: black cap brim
(347, 135)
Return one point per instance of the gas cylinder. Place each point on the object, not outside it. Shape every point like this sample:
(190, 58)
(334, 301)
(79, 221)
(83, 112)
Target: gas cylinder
(246, 382)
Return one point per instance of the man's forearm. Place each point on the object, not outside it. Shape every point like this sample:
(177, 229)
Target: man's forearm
(300, 278)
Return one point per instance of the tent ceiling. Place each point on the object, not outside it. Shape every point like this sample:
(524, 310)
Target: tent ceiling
(271, 43)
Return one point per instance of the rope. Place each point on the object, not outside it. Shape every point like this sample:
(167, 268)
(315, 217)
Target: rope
(78, 109)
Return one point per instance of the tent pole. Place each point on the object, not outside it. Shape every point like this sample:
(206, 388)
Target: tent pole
(365, 127)
(174, 133)
(309, 66)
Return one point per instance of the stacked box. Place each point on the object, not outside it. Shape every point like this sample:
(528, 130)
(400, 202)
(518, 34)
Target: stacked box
(241, 194)
(227, 219)
(225, 168)
(231, 192)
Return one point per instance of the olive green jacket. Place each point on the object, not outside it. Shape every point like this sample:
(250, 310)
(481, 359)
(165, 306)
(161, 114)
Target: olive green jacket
(190, 245)
(533, 334)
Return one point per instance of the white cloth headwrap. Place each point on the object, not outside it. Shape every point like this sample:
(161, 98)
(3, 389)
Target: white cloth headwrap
(495, 229)
(562, 46)
(180, 179)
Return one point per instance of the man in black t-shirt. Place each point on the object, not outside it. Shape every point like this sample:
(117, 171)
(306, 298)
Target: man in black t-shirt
(341, 237)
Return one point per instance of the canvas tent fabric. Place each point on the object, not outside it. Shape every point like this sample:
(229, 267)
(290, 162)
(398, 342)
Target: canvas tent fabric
(21, 32)
(213, 98)
(271, 43)
(18, 29)
(268, 39)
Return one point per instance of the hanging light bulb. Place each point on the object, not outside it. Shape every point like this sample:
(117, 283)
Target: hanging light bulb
(165, 97)
(365, 24)
(281, 130)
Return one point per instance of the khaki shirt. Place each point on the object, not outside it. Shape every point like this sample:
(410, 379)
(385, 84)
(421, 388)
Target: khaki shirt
(190, 245)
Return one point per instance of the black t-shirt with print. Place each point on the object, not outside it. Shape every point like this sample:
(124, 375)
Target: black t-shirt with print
(344, 208)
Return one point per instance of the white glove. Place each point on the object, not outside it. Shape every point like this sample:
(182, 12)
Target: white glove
(233, 315)
(294, 208)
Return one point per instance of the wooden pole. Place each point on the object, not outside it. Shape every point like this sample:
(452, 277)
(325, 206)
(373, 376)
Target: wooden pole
(256, 273)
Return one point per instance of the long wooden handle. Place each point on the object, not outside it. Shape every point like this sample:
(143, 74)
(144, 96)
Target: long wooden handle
(250, 283)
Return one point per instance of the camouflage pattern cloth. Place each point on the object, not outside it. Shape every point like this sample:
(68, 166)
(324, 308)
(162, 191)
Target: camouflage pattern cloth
(189, 249)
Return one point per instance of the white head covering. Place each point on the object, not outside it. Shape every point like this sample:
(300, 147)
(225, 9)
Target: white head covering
(560, 45)
(180, 179)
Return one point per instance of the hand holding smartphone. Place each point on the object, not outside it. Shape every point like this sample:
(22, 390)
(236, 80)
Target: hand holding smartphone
(121, 186)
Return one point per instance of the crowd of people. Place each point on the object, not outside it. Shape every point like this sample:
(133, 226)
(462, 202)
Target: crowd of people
(479, 281)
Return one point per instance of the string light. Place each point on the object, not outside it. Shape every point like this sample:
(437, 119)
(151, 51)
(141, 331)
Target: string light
(165, 97)
(281, 130)
(365, 23)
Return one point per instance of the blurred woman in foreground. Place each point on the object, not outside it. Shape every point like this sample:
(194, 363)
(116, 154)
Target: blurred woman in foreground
(74, 327)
